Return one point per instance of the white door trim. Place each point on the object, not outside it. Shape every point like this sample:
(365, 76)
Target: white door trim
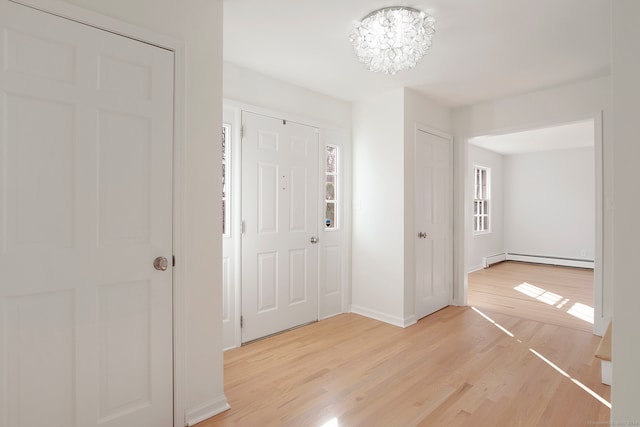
(106, 23)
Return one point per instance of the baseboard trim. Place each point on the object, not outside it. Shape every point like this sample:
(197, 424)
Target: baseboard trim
(206, 410)
(493, 259)
(475, 268)
(536, 259)
(383, 317)
(565, 262)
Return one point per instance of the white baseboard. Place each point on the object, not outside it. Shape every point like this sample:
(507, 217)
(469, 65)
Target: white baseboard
(600, 325)
(566, 262)
(383, 317)
(536, 259)
(493, 259)
(206, 410)
(475, 268)
(606, 372)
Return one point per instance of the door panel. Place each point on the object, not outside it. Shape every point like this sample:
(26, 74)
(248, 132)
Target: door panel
(280, 213)
(86, 141)
(434, 249)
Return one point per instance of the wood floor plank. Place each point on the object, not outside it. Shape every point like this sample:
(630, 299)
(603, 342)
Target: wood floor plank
(496, 364)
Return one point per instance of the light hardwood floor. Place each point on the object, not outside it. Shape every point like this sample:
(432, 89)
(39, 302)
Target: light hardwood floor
(454, 368)
(556, 295)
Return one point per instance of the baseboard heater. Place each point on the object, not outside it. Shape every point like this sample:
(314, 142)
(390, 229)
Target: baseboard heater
(539, 259)
(493, 259)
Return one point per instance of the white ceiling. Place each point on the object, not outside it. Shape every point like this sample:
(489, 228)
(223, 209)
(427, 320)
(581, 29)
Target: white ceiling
(483, 49)
(562, 137)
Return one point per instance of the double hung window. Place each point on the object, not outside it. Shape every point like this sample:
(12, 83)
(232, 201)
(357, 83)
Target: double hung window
(481, 200)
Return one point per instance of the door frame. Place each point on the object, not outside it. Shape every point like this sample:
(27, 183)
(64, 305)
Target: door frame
(601, 319)
(113, 25)
(329, 134)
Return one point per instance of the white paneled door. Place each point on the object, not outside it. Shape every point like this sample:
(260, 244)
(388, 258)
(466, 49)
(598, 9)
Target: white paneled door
(85, 208)
(434, 233)
(280, 214)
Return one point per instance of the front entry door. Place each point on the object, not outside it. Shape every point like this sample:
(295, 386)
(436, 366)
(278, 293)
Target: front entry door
(86, 140)
(434, 235)
(280, 221)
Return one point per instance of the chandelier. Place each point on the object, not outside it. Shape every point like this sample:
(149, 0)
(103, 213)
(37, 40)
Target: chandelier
(392, 39)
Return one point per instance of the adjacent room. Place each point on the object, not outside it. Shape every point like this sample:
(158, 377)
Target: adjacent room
(535, 201)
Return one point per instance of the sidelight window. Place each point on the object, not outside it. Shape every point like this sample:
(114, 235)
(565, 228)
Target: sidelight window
(226, 143)
(331, 188)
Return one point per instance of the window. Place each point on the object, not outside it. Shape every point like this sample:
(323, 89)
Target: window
(226, 140)
(331, 187)
(482, 193)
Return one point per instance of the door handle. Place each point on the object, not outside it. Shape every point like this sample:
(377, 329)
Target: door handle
(422, 235)
(314, 240)
(160, 263)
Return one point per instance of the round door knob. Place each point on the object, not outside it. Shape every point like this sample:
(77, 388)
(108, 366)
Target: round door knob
(314, 240)
(160, 263)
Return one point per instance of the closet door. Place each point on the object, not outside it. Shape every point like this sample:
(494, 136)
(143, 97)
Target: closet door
(434, 232)
(85, 208)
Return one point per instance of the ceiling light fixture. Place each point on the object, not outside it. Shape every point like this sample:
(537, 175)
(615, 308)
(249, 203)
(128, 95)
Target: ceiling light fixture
(392, 39)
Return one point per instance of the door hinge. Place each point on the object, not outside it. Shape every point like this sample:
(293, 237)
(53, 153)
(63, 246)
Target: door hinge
(242, 227)
(242, 131)
(241, 321)
(173, 260)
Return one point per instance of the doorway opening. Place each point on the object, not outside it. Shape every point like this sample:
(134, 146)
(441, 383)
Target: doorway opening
(545, 204)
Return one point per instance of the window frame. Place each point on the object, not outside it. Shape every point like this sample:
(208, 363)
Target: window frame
(481, 213)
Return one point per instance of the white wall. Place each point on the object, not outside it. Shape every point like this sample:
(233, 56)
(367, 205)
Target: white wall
(255, 89)
(378, 211)
(549, 203)
(198, 23)
(487, 244)
(383, 261)
(626, 151)
(571, 102)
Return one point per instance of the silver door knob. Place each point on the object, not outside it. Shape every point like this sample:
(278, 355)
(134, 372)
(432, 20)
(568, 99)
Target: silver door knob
(314, 240)
(160, 263)
(422, 235)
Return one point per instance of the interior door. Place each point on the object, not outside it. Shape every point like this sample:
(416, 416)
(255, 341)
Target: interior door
(433, 216)
(86, 139)
(280, 217)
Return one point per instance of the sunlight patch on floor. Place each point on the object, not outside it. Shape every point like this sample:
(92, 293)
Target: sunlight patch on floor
(575, 381)
(538, 293)
(547, 361)
(331, 423)
(497, 325)
(582, 311)
(578, 310)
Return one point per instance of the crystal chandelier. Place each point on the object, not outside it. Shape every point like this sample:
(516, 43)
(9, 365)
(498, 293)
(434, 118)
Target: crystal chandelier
(393, 38)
